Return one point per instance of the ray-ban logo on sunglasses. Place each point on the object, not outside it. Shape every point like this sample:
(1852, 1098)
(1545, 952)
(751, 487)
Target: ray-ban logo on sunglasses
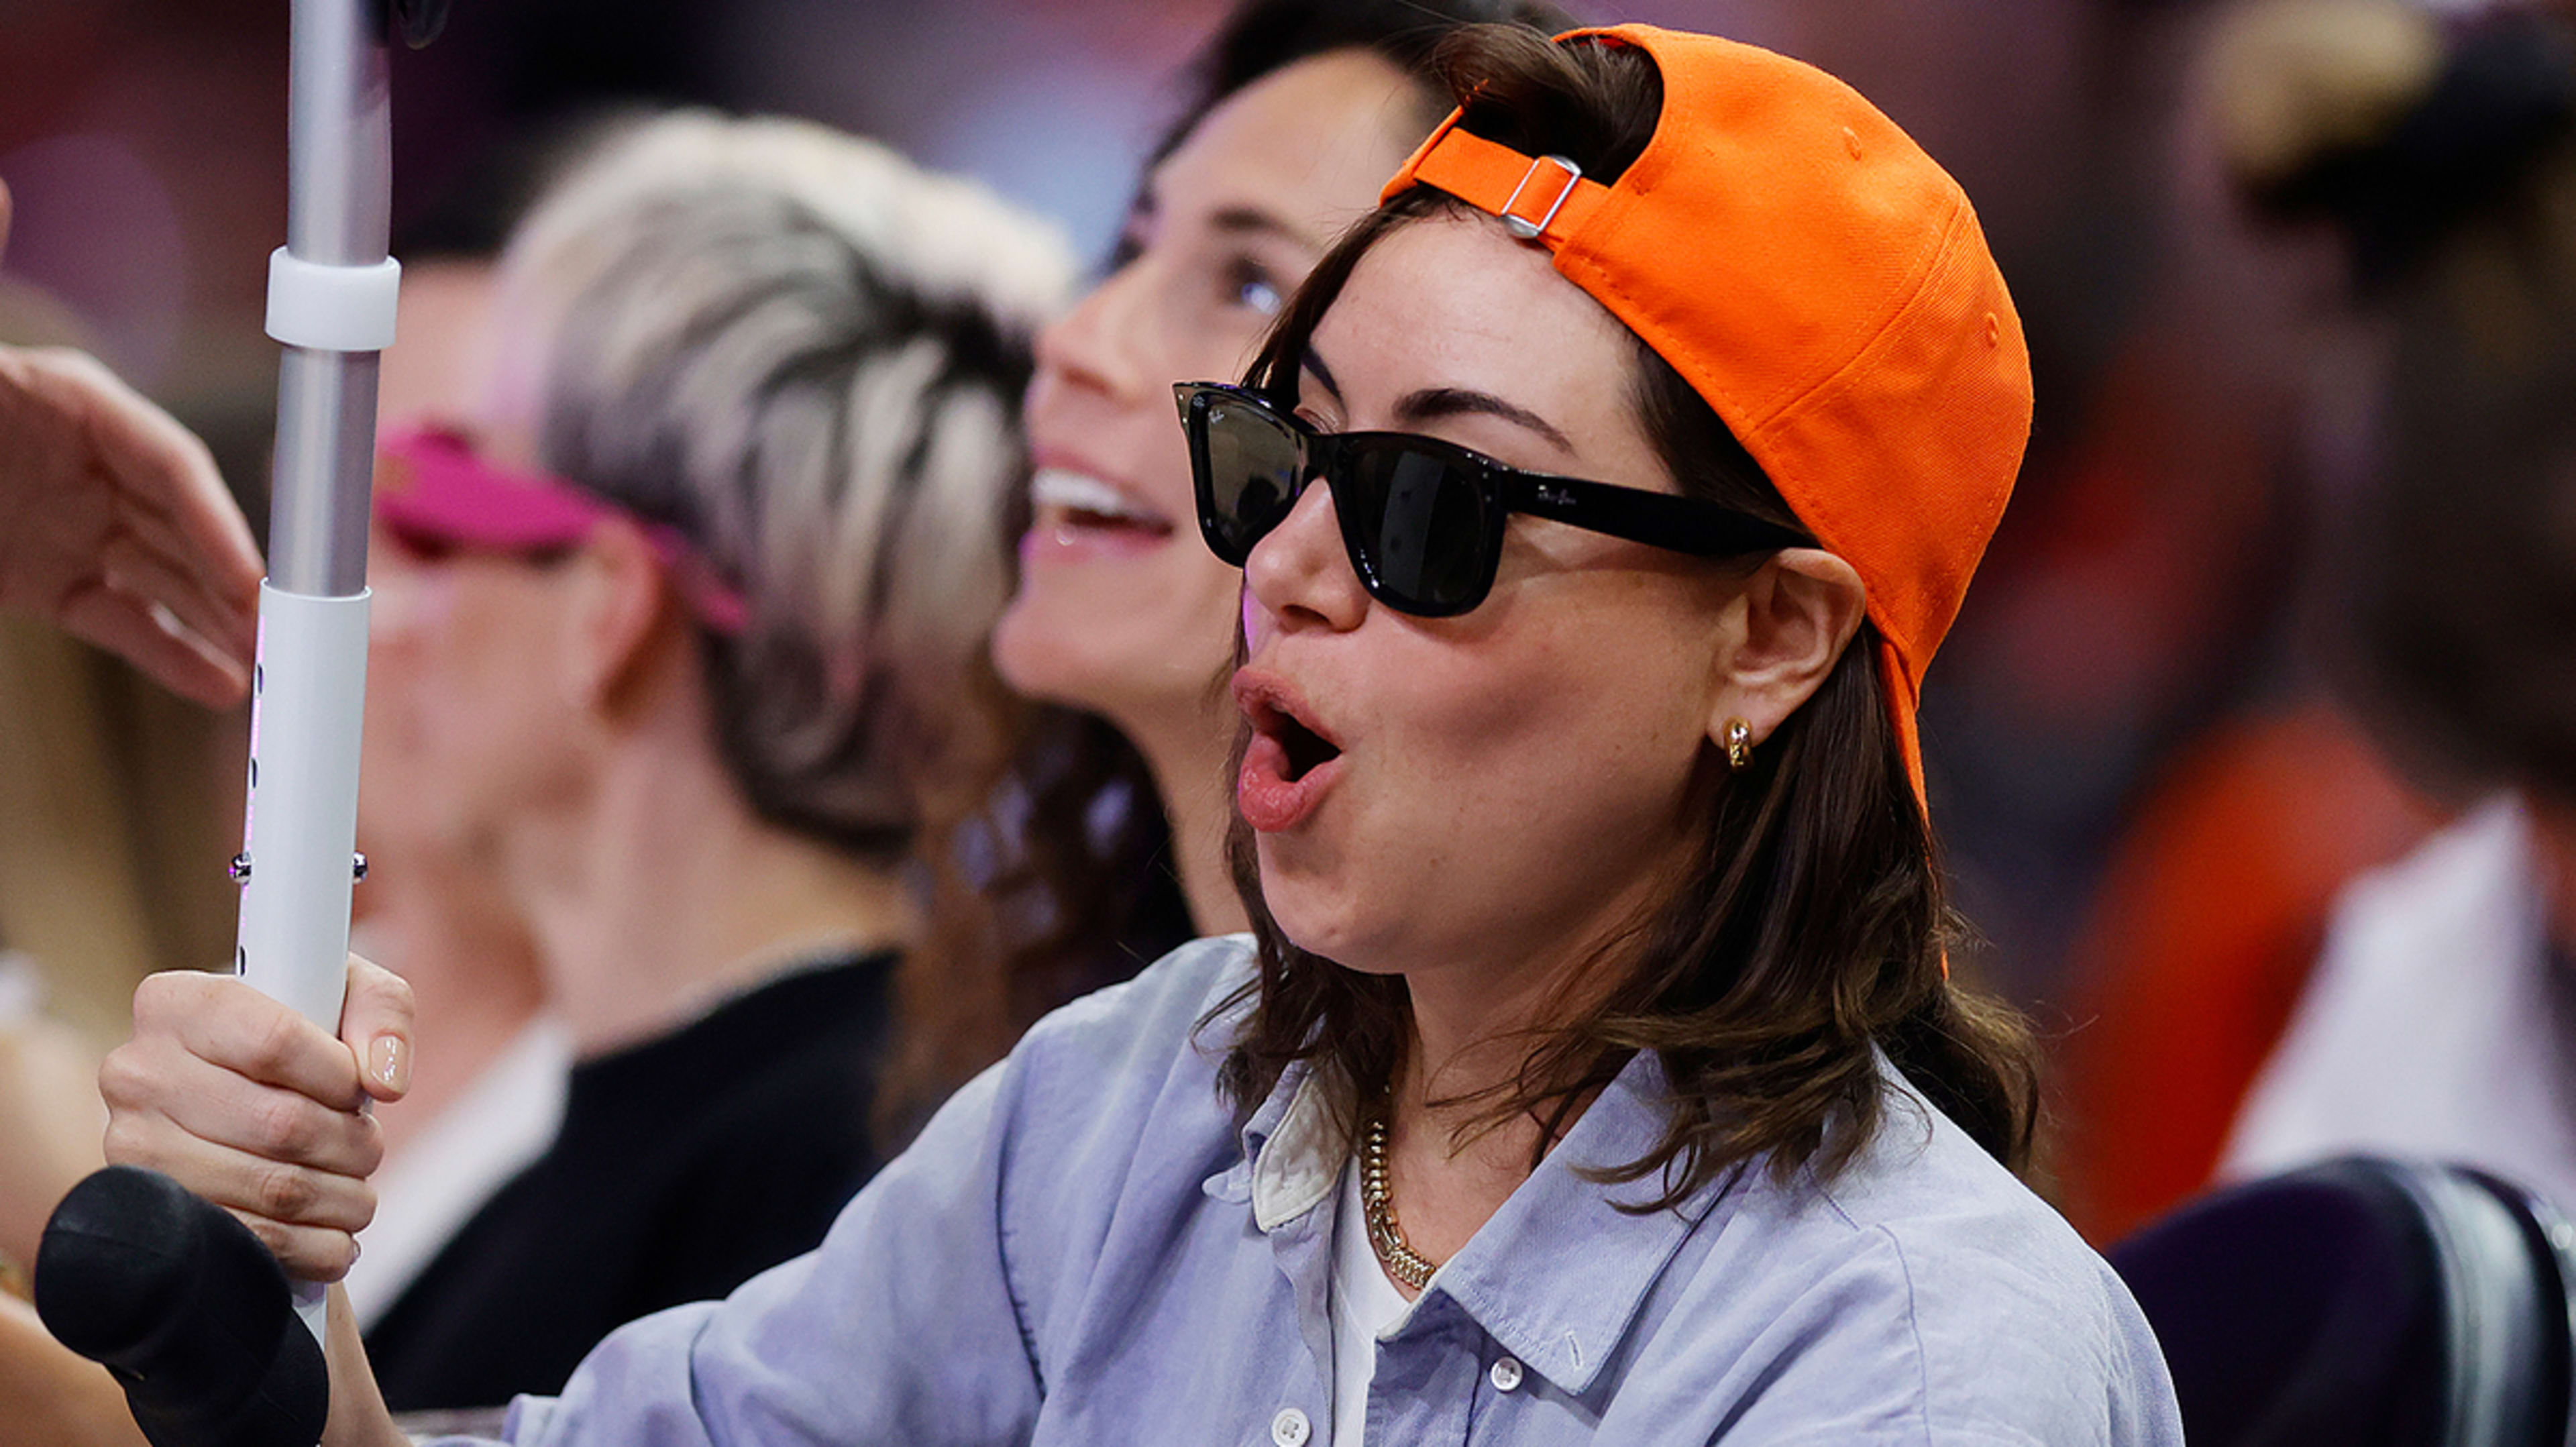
(1554, 496)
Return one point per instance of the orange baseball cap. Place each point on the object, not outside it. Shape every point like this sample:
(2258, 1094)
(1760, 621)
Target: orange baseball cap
(1824, 285)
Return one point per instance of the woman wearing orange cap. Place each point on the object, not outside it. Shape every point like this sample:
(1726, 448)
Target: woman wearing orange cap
(1591, 1073)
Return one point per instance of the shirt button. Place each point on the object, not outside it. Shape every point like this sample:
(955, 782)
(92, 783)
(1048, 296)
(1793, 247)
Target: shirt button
(1506, 1375)
(1290, 1428)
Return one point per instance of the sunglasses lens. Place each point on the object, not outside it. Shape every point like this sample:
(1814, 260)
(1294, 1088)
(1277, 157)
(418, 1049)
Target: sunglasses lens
(1248, 467)
(1418, 521)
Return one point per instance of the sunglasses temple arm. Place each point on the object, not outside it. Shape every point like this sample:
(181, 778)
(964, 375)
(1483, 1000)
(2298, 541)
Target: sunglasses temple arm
(1683, 524)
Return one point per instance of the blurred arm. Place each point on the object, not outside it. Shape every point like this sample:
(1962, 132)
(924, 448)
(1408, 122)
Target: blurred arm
(50, 1118)
(55, 1398)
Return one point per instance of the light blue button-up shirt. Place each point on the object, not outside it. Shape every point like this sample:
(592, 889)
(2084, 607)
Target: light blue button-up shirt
(1086, 1247)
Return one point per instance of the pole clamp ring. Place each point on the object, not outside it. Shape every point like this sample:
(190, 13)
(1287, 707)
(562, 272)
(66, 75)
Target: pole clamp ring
(332, 308)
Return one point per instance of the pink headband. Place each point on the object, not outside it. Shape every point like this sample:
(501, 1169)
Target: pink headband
(431, 485)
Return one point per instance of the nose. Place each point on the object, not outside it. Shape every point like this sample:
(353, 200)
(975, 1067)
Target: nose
(1098, 344)
(1299, 575)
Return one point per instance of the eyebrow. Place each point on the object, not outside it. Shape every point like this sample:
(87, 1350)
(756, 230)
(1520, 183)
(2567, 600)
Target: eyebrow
(1253, 221)
(1315, 364)
(1432, 403)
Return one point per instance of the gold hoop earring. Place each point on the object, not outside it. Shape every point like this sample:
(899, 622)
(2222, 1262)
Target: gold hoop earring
(1739, 744)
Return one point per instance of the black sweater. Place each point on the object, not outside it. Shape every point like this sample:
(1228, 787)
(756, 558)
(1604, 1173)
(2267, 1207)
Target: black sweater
(686, 1165)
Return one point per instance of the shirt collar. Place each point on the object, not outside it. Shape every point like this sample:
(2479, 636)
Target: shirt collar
(1559, 1274)
(1292, 1153)
(1302, 1160)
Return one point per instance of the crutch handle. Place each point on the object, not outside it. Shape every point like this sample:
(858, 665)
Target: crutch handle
(187, 1310)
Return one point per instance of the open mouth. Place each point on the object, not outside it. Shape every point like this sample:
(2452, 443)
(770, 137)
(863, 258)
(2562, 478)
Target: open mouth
(1302, 750)
(1289, 765)
(1306, 749)
(1065, 498)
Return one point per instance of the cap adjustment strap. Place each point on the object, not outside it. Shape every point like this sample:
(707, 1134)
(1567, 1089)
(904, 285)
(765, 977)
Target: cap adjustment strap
(1521, 226)
(1544, 199)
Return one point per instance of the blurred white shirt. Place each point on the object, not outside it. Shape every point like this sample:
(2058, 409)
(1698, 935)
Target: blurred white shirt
(2432, 1027)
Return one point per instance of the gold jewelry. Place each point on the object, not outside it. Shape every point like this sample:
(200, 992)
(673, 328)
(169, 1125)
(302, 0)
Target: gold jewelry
(1739, 743)
(1385, 1237)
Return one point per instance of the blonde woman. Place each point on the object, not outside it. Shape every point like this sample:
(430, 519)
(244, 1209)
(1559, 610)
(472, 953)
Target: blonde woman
(674, 634)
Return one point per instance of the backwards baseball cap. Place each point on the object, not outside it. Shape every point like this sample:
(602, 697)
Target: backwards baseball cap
(1824, 285)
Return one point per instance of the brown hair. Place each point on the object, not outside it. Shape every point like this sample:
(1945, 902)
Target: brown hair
(2455, 195)
(1809, 934)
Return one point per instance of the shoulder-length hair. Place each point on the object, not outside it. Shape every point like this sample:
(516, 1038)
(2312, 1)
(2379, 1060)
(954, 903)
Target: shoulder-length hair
(1809, 935)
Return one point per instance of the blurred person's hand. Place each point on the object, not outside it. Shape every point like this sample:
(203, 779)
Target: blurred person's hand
(115, 525)
(257, 1109)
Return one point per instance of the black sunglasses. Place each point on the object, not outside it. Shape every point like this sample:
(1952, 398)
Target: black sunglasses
(1423, 519)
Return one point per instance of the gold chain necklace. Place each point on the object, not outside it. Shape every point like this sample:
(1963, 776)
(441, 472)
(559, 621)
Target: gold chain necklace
(1385, 1237)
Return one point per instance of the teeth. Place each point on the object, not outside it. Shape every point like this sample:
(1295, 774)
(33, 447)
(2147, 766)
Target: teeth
(1076, 492)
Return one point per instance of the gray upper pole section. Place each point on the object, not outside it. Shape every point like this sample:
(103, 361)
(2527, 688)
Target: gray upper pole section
(340, 168)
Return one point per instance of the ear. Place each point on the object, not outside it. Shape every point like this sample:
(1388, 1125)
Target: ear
(618, 602)
(1800, 610)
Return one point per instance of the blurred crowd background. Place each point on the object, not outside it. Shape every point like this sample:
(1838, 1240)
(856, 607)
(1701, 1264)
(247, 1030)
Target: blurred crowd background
(2149, 797)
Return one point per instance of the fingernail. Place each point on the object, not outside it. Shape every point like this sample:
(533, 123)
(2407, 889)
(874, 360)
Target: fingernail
(390, 1063)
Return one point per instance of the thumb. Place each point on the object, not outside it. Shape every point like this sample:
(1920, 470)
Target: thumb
(375, 1023)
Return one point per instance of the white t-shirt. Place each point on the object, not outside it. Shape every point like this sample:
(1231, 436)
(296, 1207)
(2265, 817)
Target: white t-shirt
(2432, 1027)
(1365, 1303)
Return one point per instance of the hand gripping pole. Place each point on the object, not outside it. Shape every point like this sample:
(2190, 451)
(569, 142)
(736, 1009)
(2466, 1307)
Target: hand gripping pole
(177, 1298)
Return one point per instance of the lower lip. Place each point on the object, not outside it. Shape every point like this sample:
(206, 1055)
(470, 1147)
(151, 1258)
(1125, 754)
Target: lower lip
(1270, 801)
(1066, 542)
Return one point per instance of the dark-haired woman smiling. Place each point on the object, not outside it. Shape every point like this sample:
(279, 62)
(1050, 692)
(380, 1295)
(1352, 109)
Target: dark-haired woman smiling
(1592, 1073)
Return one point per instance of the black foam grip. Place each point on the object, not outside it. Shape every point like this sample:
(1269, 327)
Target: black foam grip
(188, 1310)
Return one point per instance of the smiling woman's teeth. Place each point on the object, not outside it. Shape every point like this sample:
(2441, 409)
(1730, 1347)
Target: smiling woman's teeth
(1089, 501)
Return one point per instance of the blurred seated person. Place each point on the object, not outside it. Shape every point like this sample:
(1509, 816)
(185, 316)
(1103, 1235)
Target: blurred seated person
(2441, 1020)
(116, 527)
(487, 1088)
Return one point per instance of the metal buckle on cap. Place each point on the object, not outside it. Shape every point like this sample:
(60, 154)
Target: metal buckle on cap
(1524, 228)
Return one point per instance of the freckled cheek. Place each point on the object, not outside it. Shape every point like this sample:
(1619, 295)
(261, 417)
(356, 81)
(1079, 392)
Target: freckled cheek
(1602, 721)
(1464, 739)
